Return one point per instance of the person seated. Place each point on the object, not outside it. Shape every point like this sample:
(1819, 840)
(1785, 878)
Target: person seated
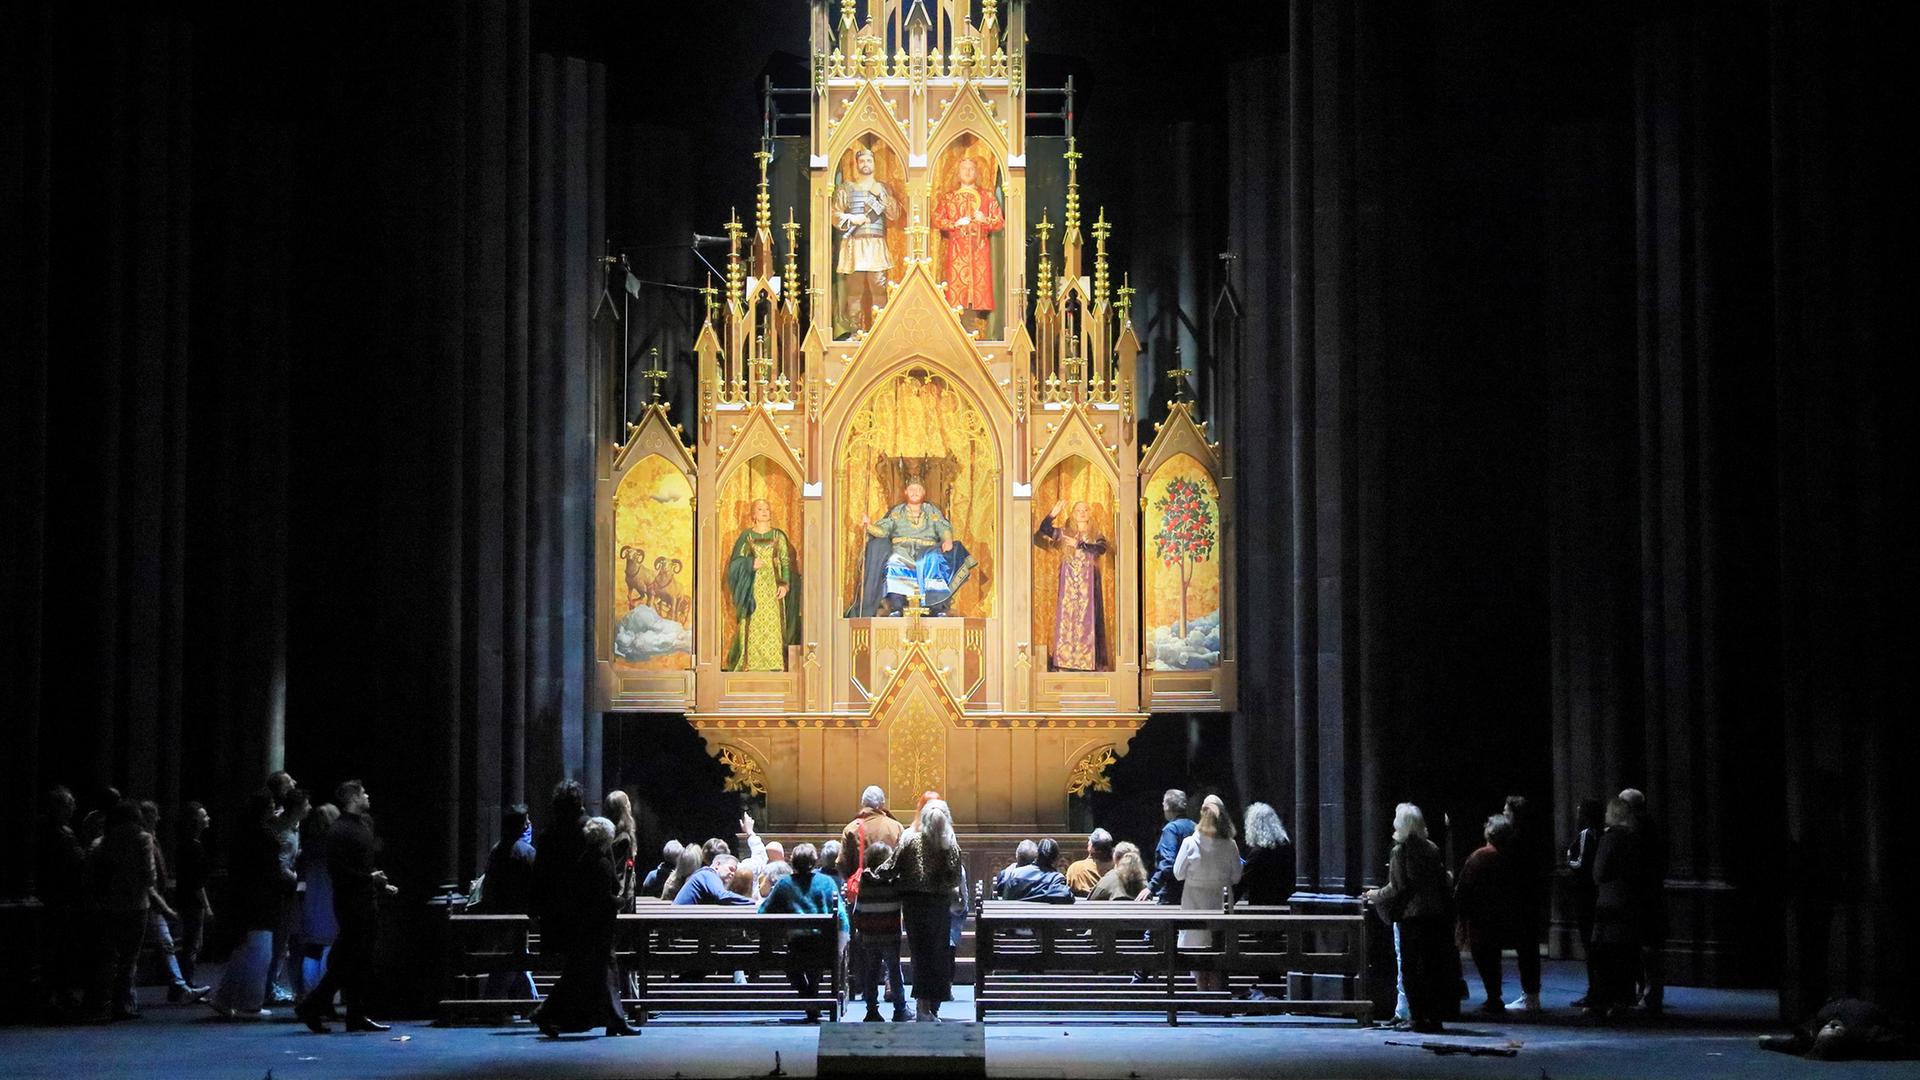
(713, 849)
(805, 891)
(911, 553)
(1083, 875)
(1023, 855)
(778, 872)
(830, 863)
(1038, 882)
(1126, 878)
(688, 864)
(713, 884)
(656, 878)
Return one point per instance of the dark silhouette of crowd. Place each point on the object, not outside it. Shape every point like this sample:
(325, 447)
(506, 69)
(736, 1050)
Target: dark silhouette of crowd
(304, 886)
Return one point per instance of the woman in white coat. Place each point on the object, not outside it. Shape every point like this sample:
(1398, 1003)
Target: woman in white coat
(1208, 862)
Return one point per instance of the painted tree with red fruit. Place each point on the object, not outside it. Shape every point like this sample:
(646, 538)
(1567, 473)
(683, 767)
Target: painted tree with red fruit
(1187, 534)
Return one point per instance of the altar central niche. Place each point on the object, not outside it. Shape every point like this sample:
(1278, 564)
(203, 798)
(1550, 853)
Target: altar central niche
(920, 514)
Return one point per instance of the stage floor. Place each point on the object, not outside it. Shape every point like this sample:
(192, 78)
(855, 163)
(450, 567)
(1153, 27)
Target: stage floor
(1710, 1035)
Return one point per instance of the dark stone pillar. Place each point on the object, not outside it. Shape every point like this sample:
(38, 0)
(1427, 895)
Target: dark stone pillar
(1706, 519)
(1306, 215)
(1257, 183)
(1845, 467)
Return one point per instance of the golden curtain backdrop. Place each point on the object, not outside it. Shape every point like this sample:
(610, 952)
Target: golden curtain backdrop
(917, 423)
(1074, 480)
(759, 478)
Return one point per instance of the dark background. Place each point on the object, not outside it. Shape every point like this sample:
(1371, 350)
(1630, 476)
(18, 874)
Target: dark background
(1565, 414)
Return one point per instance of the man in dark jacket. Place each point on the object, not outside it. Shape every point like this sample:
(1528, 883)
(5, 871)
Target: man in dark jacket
(1163, 886)
(1038, 881)
(558, 855)
(60, 868)
(358, 884)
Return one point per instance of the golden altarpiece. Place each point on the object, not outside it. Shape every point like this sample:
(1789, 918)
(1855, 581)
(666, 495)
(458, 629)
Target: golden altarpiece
(911, 539)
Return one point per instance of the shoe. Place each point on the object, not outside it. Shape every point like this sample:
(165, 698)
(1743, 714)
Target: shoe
(361, 1023)
(315, 1020)
(873, 1017)
(548, 1030)
(813, 1016)
(1526, 1003)
(1428, 1027)
(1491, 1007)
(278, 997)
(1578, 1003)
(1398, 1023)
(622, 1028)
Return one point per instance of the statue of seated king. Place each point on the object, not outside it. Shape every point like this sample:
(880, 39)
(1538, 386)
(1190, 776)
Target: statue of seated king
(910, 551)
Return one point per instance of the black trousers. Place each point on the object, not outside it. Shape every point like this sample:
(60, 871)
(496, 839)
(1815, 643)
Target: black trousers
(1428, 965)
(1486, 958)
(350, 964)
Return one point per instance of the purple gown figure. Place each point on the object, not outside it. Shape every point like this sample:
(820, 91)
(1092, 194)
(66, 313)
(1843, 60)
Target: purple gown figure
(1079, 620)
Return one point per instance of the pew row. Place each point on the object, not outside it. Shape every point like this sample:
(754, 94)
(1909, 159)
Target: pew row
(1126, 958)
(679, 959)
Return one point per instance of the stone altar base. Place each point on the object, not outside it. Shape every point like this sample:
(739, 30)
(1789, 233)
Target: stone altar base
(947, 1049)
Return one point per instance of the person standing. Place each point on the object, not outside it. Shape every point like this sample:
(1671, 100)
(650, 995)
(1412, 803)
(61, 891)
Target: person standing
(1267, 871)
(1208, 864)
(1492, 900)
(926, 870)
(873, 822)
(876, 929)
(254, 885)
(1415, 899)
(1619, 918)
(60, 877)
(1651, 901)
(294, 806)
(588, 899)
(358, 884)
(313, 935)
(123, 884)
(619, 810)
(507, 889)
(1162, 886)
(192, 867)
(161, 916)
(1588, 823)
(1266, 876)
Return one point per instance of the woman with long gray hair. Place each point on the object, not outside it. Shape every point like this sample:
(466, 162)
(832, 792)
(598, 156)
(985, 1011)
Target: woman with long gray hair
(1267, 877)
(925, 872)
(1416, 898)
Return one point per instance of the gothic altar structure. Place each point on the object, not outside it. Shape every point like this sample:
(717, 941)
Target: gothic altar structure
(913, 537)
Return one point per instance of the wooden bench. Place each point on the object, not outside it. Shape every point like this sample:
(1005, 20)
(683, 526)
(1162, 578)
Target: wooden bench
(1126, 957)
(682, 959)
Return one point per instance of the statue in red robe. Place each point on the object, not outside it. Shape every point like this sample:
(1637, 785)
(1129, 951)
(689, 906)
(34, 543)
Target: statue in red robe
(966, 216)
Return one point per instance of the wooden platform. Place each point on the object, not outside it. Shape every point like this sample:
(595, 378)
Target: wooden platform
(946, 1049)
